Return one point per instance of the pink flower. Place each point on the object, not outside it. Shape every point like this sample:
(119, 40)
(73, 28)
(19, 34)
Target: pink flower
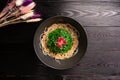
(26, 9)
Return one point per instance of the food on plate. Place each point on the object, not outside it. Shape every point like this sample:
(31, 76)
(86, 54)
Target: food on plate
(59, 41)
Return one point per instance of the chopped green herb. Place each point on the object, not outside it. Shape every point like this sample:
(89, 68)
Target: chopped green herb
(53, 41)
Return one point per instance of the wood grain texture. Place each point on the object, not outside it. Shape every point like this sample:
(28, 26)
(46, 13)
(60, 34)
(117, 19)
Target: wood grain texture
(79, 0)
(102, 56)
(90, 77)
(87, 13)
(101, 21)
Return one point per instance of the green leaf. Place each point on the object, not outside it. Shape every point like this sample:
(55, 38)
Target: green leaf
(53, 38)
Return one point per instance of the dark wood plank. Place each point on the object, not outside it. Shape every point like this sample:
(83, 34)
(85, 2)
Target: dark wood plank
(79, 0)
(102, 56)
(100, 19)
(20, 33)
(90, 77)
(5, 1)
(103, 38)
(87, 13)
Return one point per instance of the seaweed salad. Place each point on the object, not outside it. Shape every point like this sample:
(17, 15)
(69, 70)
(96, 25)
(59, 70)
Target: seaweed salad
(59, 41)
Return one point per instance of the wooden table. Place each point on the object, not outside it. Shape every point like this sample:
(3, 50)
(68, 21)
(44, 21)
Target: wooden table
(101, 21)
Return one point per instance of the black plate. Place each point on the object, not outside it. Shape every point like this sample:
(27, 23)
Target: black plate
(60, 64)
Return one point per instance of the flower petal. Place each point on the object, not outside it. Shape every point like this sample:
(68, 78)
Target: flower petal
(27, 8)
(27, 2)
(36, 16)
(19, 2)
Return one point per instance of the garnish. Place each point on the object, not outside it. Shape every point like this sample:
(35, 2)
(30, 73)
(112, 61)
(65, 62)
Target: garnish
(59, 41)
